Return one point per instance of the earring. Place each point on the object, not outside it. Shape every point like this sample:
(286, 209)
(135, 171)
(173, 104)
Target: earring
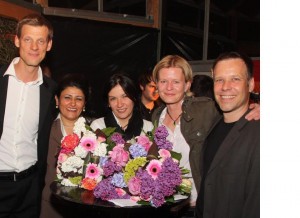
(83, 109)
(56, 106)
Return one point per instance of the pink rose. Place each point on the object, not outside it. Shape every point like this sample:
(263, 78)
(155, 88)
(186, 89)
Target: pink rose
(62, 157)
(163, 153)
(101, 139)
(144, 141)
(119, 155)
(134, 185)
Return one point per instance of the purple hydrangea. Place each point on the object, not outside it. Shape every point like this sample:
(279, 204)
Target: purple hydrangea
(103, 161)
(165, 184)
(161, 132)
(160, 138)
(117, 138)
(118, 180)
(110, 167)
(105, 190)
(147, 184)
(137, 150)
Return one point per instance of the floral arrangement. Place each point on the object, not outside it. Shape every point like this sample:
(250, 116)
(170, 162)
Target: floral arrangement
(144, 169)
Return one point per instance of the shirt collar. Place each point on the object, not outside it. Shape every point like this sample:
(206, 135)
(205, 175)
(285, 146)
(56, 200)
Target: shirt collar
(11, 72)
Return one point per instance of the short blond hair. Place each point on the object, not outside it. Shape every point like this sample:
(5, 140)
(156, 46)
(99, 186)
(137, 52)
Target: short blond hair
(173, 61)
(177, 62)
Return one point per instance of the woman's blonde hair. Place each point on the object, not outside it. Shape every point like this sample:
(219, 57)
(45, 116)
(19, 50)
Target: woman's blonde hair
(174, 61)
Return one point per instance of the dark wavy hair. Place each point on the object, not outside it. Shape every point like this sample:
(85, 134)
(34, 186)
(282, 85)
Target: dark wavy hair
(127, 85)
(74, 80)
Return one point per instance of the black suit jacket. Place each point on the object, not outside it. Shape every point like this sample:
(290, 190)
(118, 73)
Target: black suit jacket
(232, 184)
(47, 109)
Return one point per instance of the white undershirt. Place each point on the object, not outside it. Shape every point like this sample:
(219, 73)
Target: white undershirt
(180, 146)
(18, 143)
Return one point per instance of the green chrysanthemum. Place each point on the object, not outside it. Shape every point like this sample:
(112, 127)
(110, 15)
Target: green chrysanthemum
(132, 166)
(75, 180)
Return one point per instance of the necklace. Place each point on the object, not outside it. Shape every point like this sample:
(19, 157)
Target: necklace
(174, 121)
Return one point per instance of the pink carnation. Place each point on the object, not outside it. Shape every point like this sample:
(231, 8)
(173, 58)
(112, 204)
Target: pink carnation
(144, 141)
(134, 185)
(69, 142)
(119, 155)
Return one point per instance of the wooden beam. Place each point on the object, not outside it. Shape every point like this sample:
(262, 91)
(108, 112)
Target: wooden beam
(15, 11)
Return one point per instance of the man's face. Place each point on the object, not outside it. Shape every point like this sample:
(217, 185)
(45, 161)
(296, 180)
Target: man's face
(231, 86)
(149, 91)
(171, 85)
(33, 44)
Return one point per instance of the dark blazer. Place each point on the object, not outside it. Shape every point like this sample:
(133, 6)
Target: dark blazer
(47, 108)
(232, 182)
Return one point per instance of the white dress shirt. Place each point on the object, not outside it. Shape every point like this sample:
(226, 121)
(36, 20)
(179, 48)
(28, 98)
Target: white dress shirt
(18, 144)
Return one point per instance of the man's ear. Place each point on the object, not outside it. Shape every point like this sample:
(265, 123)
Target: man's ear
(49, 46)
(17, 41)
(251, 84)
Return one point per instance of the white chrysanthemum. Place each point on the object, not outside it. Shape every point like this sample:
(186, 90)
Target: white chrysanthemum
(72, 164)
(80, 152)
(79, 126)
(67, 182)
(90, 134)
(100, 150)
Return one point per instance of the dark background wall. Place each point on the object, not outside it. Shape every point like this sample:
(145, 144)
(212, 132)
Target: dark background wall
(98, 50)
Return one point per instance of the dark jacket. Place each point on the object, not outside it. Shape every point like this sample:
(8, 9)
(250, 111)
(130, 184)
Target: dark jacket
(199, 114)
(47, 107)
(232, 181)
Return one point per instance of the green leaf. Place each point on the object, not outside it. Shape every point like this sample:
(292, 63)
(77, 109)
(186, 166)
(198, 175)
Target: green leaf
(141, 202)
(108, 131)
(176, 155)
(170, 199)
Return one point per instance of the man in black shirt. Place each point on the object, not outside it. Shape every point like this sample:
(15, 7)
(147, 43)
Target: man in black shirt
(230, 158)
(149, 95)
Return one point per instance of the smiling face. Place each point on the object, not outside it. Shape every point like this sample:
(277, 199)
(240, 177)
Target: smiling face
(120, 103)
(171, 85)
(232, 88)
(70, 103)
(33, 44)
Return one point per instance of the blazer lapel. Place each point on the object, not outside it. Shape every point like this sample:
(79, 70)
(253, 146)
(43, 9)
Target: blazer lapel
(45, 99)
(227, 144)
(3, 93)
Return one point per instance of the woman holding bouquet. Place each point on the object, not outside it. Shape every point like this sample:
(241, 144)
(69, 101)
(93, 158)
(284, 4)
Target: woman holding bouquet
(121, 96)
(71, 98)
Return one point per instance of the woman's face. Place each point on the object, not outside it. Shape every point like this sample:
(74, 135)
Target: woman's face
(120, 103)
(71, 103)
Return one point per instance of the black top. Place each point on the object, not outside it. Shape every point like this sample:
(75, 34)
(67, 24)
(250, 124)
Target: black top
(213, 142)
(147, 113)
(134, 128)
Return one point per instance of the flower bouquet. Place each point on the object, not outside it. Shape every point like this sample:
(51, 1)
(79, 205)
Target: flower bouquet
(144, 169)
